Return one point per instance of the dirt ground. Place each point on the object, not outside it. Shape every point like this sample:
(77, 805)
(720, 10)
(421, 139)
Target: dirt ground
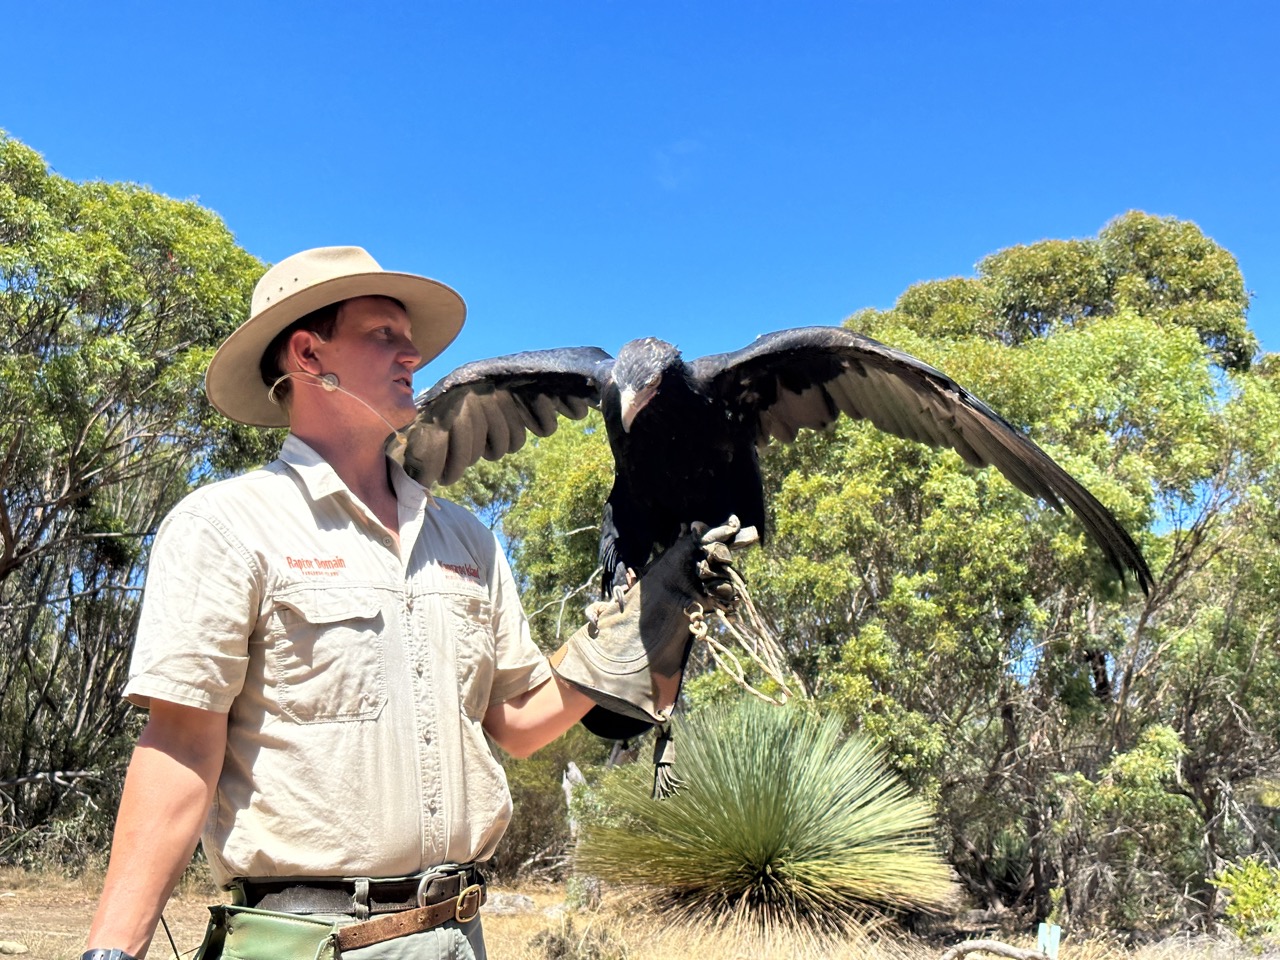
(50, 916)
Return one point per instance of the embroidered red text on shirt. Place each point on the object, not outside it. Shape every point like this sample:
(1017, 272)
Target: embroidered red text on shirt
(463, 570)
(317, 566)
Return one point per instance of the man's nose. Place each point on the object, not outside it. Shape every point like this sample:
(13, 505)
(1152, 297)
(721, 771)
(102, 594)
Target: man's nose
(409, 354)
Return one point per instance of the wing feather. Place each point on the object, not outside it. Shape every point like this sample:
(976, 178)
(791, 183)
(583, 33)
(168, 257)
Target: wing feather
(488, 407)
(774, 382)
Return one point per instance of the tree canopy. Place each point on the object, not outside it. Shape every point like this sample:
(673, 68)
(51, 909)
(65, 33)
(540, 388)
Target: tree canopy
(112, 298)
(1089, 751)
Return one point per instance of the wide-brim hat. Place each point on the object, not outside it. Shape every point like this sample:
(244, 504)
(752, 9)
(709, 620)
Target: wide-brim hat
(307, 281)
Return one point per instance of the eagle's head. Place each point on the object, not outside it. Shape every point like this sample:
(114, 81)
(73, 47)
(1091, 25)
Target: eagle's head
(638, 372)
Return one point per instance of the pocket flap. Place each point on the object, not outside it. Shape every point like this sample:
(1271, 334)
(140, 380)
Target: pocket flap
(332, 604)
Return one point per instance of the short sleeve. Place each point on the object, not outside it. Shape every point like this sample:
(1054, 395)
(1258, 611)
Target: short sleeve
(199, 606)
(520, 664)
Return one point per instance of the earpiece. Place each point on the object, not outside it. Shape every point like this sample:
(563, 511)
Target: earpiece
(328, 382)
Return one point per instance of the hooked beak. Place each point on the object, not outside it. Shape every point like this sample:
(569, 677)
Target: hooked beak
(634, 401)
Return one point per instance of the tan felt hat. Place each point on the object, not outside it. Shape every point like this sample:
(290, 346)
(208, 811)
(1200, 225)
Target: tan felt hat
(308, 281)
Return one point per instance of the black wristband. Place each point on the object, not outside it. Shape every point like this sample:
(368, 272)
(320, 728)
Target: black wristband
(101, 954)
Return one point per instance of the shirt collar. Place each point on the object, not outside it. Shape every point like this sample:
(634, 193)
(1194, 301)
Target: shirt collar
(321, 480)
(409, 491)
(313, 470)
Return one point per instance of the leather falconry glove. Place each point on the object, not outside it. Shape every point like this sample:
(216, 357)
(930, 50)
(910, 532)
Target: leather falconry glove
(631, 660)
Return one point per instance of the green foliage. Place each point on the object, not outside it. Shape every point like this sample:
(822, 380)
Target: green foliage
(1140, 832)
(536, 844)
(782, 820)
(1167, 269)
(112, 298)
(554, 527)
(1162, 268)
(1253, 909)
(976, 636)
(1038, 288)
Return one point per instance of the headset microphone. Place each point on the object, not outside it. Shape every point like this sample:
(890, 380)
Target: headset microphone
(328, 382)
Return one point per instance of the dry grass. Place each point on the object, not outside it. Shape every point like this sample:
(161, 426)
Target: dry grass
(622, 931)
(51, 915)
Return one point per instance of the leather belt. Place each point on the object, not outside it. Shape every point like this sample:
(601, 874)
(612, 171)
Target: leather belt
(362, 897)
(463, 909)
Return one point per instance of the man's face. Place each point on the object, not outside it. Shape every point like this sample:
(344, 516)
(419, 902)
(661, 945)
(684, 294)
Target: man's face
(373, 357)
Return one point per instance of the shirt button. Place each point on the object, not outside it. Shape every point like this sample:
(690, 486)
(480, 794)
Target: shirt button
(386, 541)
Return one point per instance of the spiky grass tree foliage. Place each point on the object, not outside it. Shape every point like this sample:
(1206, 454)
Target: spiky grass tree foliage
(782, 821)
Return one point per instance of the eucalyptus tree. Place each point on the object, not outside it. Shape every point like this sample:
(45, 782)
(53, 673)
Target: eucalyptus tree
(1089, 749)
(112, 298)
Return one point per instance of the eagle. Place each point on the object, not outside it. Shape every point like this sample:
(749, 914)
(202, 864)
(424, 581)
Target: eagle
(686, 436)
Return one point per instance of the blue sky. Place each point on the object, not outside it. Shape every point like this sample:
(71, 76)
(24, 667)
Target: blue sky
(587, 172)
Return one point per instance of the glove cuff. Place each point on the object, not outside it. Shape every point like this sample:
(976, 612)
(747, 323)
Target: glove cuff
(582, 664)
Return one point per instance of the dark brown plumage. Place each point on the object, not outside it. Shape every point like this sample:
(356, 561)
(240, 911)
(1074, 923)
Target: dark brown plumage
(685, 435)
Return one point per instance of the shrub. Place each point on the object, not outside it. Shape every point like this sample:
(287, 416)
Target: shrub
(536, 842)
(1254, 907)
(781, 821)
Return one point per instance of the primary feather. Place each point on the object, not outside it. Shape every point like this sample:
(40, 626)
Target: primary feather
(684, 436)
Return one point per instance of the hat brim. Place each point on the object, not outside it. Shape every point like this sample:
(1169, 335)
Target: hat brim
(233, 381)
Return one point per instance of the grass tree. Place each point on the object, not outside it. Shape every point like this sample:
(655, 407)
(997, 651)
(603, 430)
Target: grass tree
(783, 821)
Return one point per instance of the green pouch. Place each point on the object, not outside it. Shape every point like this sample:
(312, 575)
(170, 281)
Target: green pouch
(244, 933)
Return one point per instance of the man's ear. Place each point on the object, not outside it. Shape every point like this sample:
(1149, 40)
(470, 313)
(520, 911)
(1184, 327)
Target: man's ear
(301, 351)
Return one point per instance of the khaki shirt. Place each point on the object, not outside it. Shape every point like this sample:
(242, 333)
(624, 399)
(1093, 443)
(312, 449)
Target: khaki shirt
(355, 677)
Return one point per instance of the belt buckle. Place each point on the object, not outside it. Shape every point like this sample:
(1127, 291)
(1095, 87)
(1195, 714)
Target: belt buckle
(472, 890)
(435, 873)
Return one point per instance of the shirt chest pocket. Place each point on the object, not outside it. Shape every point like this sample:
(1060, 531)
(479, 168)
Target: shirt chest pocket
(328, 654)
(470, 621)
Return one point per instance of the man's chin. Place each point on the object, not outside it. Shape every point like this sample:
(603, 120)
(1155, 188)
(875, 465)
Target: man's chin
(402, 417)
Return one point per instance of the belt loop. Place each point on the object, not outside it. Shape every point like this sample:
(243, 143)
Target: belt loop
(360, 901)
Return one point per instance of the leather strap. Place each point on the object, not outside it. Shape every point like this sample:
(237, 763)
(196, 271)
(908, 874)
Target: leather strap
(366, 934)
(359, 897)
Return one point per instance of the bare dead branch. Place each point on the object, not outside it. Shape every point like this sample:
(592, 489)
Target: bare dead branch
(992, 946)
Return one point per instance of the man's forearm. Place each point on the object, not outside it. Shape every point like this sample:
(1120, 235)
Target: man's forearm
(167, 793)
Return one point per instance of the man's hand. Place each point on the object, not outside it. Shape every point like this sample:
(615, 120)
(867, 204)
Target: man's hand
(630, 661)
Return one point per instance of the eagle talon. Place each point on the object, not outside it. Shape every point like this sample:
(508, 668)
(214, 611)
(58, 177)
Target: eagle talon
(726, 531)
(596, 610)
(619, 591)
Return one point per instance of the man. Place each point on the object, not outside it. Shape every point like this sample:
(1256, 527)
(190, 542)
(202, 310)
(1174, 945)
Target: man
(324, 648)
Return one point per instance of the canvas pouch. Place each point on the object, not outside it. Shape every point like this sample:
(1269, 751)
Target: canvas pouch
(246, 933)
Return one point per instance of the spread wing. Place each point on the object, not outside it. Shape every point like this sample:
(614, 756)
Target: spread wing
(808, 376)
(488, 407)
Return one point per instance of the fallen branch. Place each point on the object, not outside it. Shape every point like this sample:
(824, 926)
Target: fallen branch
(992, 946)
(61, 778)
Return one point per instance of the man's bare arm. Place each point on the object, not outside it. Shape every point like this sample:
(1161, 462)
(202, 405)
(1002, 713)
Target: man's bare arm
(167, 793)
(530, 721)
